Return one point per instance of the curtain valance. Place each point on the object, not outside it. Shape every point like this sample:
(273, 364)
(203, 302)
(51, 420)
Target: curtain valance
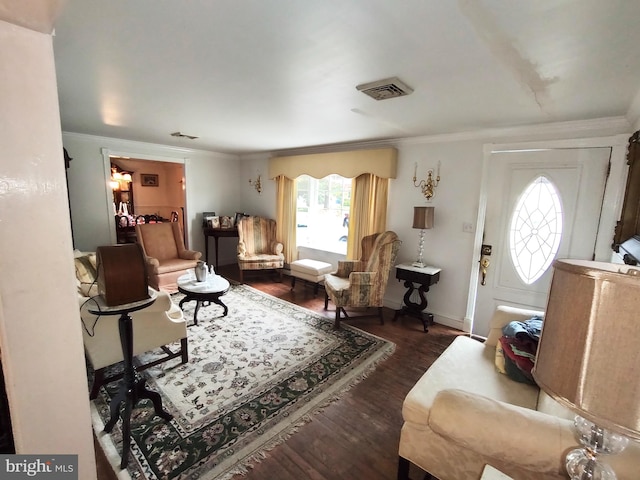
(381, 162)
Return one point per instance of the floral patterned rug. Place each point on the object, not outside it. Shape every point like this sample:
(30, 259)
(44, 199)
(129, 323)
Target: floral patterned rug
(253, 378)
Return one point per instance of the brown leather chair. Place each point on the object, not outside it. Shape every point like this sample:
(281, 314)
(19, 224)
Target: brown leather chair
(165, 254)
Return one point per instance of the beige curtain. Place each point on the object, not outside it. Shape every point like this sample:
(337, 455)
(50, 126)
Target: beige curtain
(286, 216)
(368, 212)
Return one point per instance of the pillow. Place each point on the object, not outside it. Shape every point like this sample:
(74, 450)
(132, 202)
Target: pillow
(86, 274)
(519, 357)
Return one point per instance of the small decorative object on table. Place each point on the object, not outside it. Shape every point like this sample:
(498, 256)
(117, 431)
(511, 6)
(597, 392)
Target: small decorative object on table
(201, 271)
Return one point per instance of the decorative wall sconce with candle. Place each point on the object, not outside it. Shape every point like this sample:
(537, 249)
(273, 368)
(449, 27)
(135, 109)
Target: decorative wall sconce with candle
(428, 185)
(257, 184)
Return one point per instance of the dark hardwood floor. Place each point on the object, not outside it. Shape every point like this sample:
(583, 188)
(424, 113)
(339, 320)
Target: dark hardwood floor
(357, 436)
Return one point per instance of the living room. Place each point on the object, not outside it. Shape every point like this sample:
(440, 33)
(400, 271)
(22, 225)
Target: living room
(218, 181)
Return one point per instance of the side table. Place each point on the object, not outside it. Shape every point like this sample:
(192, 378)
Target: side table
(210, 290)
(424, 277)
(133, 387)
(216, 233)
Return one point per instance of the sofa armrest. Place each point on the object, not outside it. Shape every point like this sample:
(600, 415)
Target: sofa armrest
(276, 248)
(345, 267)
(190, 255)
(242, 249)
(152, 264)
(533, 440)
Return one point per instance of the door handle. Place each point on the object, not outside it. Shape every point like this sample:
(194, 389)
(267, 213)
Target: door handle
(484, 264)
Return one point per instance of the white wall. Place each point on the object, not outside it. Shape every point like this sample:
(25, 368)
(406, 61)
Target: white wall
(212, 182)
(40, 336)
(220, 183)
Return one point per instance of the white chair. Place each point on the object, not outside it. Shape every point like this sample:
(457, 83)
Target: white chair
(157, 326)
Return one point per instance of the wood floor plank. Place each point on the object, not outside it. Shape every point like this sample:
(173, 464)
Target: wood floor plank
(357, 436)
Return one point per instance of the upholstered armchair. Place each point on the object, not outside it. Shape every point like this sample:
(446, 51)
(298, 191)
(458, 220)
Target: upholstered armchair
(165, 254)
(258, 248)
(362, 283)
(463, 414)
(160, 326)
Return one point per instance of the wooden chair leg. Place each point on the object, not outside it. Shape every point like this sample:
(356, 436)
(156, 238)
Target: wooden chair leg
(336, 323)
(326, 300)
(241, 279)
(403, 468)
(293, 282)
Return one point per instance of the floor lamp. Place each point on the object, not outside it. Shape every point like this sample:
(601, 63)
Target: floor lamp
(422, 219)
(588, 358)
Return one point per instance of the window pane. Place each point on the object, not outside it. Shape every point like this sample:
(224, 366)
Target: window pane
(536, 230)
(322, 212)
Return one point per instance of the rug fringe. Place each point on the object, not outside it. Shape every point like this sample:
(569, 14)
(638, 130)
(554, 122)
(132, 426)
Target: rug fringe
(248, 463)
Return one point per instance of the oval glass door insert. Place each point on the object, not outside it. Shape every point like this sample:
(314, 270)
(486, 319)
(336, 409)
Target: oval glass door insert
(536, 229)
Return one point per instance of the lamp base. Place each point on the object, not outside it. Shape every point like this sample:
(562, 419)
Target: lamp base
(418, 264)
(584, 463)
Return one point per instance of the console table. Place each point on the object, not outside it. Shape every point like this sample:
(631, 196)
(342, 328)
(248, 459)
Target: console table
(424, 277)
(133, 387)
(216, 233)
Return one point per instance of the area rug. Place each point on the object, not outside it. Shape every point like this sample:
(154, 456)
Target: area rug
(253, 378)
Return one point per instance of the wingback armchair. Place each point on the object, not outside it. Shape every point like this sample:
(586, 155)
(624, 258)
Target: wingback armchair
(165, 254)
(362, 283)
(258, 248)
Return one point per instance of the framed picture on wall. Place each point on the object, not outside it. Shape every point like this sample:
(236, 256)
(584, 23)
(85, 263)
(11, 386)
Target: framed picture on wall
(149, 179)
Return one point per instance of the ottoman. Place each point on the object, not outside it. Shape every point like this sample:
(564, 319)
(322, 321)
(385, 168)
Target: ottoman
(310, 271)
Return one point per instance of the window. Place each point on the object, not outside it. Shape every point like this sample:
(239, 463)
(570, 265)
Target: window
(536, 229)
(322, 213)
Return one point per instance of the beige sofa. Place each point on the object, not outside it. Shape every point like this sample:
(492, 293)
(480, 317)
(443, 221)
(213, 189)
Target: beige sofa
(462, 415)
(156, 326)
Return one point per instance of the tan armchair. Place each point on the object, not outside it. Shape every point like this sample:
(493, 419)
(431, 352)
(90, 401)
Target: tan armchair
(463, 414)
(258, 248)
(155, 327)
(165, 254)
(362, 283)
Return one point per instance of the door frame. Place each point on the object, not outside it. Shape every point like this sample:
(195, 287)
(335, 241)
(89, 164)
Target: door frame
(611, 204)
(107, 153)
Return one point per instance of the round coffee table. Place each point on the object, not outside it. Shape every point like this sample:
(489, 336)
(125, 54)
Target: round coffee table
(210, 290)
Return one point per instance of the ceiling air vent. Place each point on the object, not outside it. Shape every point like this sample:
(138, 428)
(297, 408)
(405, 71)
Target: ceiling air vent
(183, 135)
(387, 88)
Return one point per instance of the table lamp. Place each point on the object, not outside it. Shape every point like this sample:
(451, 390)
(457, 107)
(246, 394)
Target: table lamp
(588, 358)
(422, 219)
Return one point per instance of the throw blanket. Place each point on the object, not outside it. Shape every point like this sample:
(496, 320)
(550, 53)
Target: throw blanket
(519, 345)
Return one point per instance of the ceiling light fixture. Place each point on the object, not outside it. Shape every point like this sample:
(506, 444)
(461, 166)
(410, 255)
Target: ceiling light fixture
(384, 89)
(183, 135)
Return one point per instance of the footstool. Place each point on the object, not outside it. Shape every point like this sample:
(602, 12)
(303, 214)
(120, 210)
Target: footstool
(309, 270)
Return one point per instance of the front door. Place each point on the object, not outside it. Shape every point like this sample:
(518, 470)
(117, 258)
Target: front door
(541, 205)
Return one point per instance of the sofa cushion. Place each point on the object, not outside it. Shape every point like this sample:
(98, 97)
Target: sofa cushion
(467, 365)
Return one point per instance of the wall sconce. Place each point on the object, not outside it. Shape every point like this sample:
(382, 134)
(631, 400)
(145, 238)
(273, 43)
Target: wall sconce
(427, 186)
(257, 184)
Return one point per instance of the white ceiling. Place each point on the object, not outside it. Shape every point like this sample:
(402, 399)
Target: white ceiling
(269, 75)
